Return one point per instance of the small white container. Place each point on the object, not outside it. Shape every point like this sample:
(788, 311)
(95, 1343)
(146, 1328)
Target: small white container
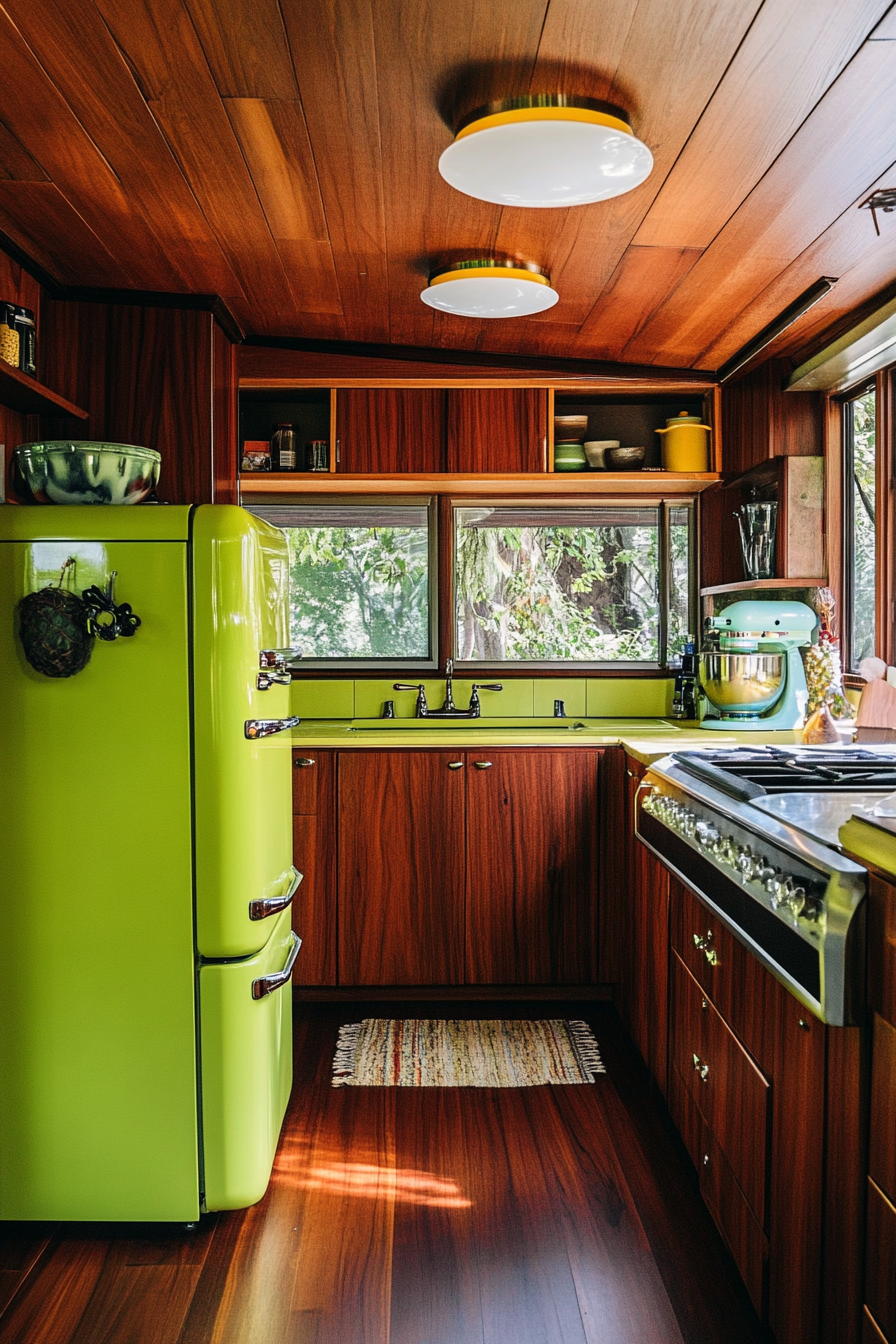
(594, 451)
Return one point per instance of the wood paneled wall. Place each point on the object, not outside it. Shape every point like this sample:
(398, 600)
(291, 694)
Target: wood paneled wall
(761, 420)
(160, 377)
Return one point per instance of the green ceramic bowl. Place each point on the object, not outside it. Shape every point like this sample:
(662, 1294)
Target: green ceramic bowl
(86, 472)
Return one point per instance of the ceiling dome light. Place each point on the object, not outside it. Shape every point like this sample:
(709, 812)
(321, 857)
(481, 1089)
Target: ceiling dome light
(488, 287)
(545, 150)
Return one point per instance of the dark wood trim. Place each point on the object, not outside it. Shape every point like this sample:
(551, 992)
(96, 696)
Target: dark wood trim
(470, 673)
(151, 298)
(20, 392)
(885, 614)
(474, 359)
(453, 993)
(445, 579)
(33, 268)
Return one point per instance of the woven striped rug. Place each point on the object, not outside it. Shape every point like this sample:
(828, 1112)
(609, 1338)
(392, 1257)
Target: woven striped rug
(384, 1052)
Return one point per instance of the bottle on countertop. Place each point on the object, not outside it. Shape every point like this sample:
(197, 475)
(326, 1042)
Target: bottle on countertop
(684, 696)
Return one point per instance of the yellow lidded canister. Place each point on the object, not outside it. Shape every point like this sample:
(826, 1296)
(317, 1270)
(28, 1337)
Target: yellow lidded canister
(685, 443)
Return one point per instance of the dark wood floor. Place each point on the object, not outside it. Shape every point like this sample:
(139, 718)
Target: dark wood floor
(550, 1215)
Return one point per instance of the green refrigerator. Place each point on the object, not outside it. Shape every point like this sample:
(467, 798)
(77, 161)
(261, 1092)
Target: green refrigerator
(146, 872)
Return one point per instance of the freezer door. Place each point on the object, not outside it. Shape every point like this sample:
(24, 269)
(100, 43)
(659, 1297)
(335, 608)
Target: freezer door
(243, 787)
(245, 1010)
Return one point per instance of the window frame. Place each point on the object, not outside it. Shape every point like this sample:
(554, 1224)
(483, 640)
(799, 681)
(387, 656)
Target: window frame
(883, 384)
(344, 667)
(442, 596)
(570, 667)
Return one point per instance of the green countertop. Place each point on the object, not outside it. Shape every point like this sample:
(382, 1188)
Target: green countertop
(644, 739)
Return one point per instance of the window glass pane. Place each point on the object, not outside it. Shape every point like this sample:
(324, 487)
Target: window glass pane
(680, 618)
(539, 584)
(862, 555)
(359, 579)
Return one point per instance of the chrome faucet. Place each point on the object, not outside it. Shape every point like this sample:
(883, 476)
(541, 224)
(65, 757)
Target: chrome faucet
(449, 709)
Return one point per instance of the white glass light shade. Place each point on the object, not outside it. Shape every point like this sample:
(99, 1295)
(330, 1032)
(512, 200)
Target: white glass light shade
(543, 157)
(490, 292)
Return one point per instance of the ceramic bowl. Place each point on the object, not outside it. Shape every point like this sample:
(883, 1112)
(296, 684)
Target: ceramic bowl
(595, 450)
(624, 459)
(570, 427)
(86, 472)
(569, 457)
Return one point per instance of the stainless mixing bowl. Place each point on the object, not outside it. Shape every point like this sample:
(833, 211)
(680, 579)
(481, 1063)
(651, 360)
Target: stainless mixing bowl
(744, 684)
(81, 471)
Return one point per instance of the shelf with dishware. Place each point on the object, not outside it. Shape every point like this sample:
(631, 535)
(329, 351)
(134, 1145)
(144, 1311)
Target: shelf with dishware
(668, 432)
(492, 435)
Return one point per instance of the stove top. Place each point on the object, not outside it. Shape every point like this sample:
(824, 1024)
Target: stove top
(746, 773)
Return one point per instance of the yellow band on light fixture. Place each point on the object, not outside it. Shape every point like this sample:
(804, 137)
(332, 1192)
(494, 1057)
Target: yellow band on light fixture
(477, 273)
(517, 114)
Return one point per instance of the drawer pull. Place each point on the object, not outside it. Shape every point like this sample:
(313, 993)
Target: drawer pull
(483, 765)
(302, 763)
(704, 944)
(701, 1067)
(455, 765)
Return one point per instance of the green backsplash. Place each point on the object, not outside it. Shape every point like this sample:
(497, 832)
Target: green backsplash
(592, 697)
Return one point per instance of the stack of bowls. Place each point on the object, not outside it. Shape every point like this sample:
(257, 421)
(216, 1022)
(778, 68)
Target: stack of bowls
(569, 431)
(595, 450)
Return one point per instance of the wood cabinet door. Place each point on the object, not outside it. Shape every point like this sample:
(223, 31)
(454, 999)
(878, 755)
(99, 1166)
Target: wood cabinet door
(532, 874)
(390, 429)
(314, 854)
(400, 820)
(497, 429)
(649, 985)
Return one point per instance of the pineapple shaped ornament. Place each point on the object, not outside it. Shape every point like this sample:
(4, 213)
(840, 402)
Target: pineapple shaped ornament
(824, 674)
(54, 630)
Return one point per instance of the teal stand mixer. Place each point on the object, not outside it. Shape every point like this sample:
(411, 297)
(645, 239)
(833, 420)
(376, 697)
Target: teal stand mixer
(751, 670)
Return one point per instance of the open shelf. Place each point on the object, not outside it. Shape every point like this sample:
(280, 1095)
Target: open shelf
(666, 483)
(20, 392)
(745, 585)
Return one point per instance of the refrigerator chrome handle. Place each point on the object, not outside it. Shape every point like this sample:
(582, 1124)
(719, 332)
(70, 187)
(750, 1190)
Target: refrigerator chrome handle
(272, 905)
(265, 680)
(278, 658)
(268, 983)
(256, 728)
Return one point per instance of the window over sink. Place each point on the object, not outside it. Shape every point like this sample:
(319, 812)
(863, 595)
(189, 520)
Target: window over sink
(538, 585)
(532, 585)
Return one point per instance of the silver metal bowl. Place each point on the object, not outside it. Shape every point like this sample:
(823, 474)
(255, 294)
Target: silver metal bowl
(742, 683)
(80, 471)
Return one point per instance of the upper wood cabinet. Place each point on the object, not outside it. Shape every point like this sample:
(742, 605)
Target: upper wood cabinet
(763, 421)
(497, 429)
(388, 430)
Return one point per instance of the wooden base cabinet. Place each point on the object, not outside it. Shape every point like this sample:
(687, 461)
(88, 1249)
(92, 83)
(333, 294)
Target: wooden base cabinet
(531, 867)
(748, 1069)
(476, 868)
(401, 846)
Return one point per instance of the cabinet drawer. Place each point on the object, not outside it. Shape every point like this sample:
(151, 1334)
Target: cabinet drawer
(882, 1147)
(305, 776)
(734, 1219)
(688, 1120)
(731, 1093)
(731, 976)
(880, 1264)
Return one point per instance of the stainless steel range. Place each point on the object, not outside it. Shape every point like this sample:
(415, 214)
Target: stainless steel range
(753, 831)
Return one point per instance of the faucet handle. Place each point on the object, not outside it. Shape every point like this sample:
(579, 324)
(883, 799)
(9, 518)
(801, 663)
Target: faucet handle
(407, 686)
(421, 709)
(488, 686)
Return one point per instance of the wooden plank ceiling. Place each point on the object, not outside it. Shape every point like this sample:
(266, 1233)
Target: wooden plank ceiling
(283, 155)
